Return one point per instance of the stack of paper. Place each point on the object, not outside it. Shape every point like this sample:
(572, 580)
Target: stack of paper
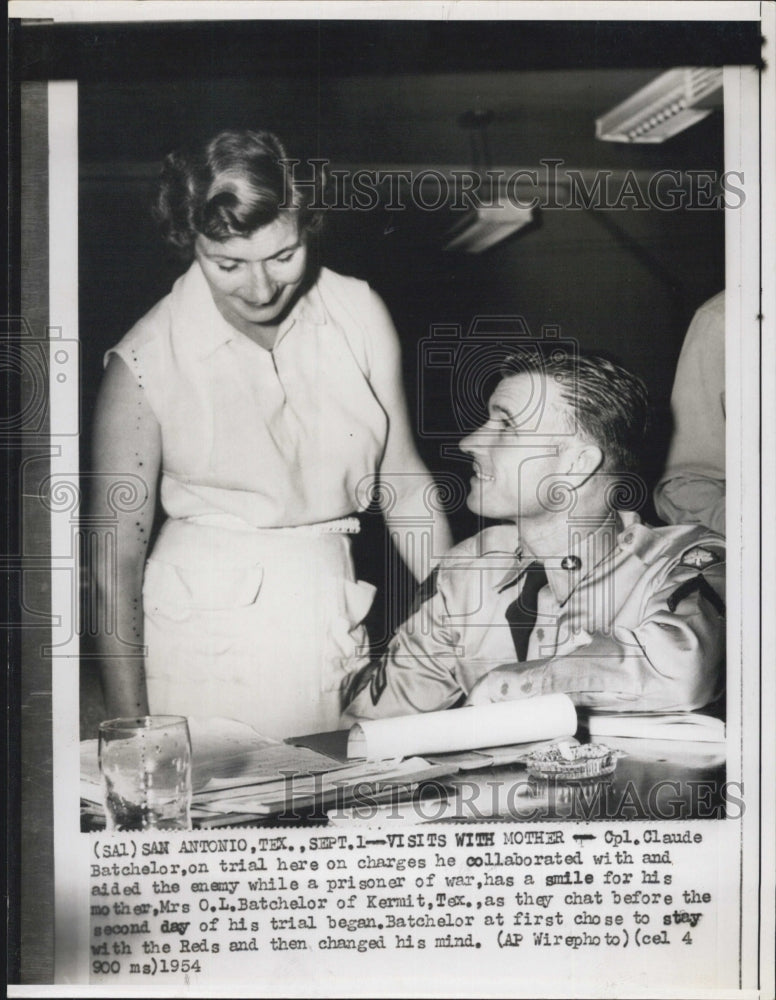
(686, 726)
(339, 784)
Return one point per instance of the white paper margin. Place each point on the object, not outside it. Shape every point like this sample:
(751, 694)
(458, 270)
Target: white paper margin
(747, 264)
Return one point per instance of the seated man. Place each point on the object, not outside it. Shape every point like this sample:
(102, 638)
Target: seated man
(569, 594)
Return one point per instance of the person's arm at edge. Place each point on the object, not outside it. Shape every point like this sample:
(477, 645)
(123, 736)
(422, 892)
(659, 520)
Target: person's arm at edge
(410, 495)
(126, 450)
(691, 489)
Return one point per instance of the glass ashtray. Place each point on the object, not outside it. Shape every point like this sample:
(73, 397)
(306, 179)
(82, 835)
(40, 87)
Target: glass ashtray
(565, 762)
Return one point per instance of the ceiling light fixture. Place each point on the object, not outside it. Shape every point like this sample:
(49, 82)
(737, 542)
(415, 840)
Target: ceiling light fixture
(673, 102)
(497, 218)
(487, 226)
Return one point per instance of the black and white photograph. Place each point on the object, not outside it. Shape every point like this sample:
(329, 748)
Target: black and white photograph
(393, 438)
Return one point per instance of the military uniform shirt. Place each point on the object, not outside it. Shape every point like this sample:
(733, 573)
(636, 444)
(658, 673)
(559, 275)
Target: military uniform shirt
(639, 626)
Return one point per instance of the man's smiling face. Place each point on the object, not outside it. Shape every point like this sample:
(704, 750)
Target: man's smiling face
(521, 450)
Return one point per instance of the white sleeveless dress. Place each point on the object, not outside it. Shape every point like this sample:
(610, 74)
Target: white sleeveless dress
(251, 607)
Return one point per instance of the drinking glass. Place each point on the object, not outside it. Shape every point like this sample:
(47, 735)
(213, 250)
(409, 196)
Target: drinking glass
(145, 765)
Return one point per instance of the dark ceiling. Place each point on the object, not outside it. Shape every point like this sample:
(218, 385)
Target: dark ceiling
(315, 48)
(402, 119)
(374, 91)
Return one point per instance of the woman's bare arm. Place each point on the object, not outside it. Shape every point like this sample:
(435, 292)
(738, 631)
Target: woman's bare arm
(409, 503)
(126, 462)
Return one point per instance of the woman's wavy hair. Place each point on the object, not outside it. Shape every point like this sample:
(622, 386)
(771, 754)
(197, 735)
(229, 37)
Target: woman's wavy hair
(233, 185)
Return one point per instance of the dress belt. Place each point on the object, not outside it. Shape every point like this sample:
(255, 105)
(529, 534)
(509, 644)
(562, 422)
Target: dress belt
(339, 526)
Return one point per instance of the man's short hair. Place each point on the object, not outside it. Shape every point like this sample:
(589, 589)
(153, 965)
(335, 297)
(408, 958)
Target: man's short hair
(610, 405)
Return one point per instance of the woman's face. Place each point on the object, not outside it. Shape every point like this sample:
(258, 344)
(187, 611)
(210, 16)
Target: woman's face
(253, 279)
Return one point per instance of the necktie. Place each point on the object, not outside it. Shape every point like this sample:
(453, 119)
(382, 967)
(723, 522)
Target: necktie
(521, 613)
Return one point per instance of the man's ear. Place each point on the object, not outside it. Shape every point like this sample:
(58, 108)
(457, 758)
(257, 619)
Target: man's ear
(587, 459)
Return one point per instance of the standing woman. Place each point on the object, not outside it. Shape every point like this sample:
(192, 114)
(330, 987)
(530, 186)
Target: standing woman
(263, 397)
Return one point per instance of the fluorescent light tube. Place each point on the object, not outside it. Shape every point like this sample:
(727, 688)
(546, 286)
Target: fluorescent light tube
(673, 102)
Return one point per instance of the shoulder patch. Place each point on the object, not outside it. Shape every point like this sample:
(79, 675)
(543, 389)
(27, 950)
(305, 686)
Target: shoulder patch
(699, 557)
